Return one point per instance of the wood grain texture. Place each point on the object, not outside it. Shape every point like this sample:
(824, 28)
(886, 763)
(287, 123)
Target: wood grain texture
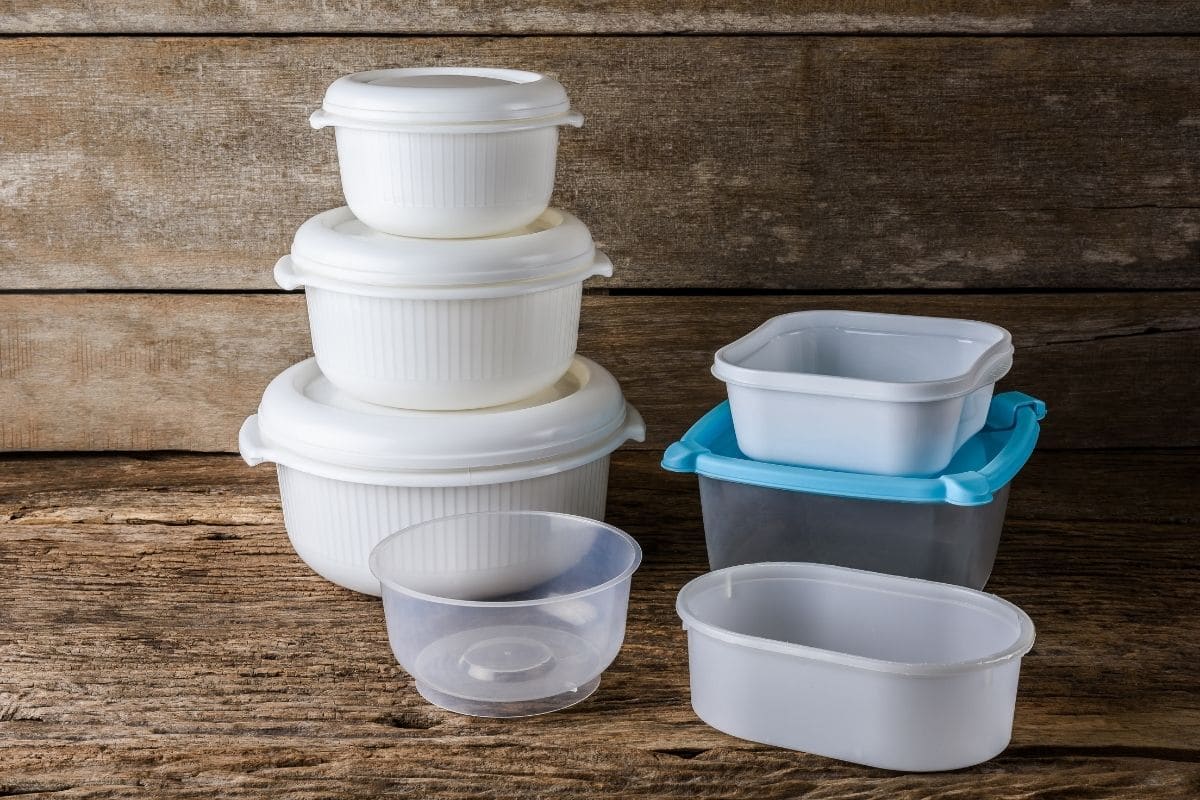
(796, 163)
(616, 16)
(181, 372)
(157, 636)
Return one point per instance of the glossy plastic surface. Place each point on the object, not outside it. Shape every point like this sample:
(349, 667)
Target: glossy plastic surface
(505, 615)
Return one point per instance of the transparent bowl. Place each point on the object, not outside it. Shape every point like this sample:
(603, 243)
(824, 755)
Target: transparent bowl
(507, 613)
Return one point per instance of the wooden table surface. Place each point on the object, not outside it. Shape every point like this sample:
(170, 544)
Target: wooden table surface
(159, 637)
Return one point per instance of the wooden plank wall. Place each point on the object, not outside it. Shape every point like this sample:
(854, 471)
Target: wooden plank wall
(1031, 162)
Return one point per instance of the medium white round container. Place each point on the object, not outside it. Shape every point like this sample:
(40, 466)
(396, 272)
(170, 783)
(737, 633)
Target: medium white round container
(446, 152)
(351, 473)
(442, 324)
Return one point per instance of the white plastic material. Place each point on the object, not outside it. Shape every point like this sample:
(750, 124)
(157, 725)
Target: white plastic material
(352, 473)
(446, 152)
(442, 325)
(890, 672)
(506, 614)
(882, 393)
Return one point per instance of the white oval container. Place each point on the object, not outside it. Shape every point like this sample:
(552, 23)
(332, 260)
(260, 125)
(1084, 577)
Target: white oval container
(442, 324)
(890, 672)
(860, 392)
(351, 473)
(446, 152)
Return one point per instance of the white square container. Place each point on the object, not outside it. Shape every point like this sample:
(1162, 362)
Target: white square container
(442, 324)
(446, 152)
(351, 473)
(875, 669)
(942, 528)
(881, 393)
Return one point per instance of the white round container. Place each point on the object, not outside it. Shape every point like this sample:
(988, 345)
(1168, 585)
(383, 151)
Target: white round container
(506, 614)
(442, 324)
(446, 152)
(351, 473)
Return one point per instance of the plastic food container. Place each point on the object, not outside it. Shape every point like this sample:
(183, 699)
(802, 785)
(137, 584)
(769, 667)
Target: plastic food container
(942, 528)
(446, 152)
(506, 614)
(881, 393)
(352, 473)
(442, 324)
(879, 670)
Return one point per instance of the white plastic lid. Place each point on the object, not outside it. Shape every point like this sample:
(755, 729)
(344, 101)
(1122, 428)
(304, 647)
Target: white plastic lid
(445, 95)
(335, 244)
(304, 416)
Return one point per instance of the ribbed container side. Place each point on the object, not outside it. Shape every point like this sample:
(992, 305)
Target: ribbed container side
(334, 525)
(445, 170)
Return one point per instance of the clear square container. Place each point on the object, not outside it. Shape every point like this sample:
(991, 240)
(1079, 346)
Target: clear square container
(941, 528)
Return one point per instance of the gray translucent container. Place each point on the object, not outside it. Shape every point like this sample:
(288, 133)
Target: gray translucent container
(942, 528)
(936, 541)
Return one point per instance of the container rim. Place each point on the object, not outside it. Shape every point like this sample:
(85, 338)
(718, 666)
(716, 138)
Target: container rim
(992, 363)
(966, 597)
(635, 561)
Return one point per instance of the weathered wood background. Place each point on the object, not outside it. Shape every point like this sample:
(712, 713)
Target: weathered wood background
(1035, 163)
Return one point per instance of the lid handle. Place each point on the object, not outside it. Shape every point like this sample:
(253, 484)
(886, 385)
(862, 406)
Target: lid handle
(1005, 409)
(573, 118)
(320, 119)
(602, 266)
(1021, 413)
(250, 444)
(285, 274)
(683, 456)
(635, 426)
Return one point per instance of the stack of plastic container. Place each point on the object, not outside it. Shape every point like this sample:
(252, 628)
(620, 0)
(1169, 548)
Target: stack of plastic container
(860, 467)
(444, 310)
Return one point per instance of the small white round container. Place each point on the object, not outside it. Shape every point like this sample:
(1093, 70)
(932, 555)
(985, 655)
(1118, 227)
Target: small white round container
(442, 324)
(890, 672)
(351, 473)
(506, 614)
(446, 152)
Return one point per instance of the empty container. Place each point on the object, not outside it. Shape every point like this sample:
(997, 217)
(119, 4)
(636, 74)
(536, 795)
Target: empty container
(442, 324)
(506, 614)
(446, 152)
(881, 393)
(351, 473)
(941, 528)
(885, 671)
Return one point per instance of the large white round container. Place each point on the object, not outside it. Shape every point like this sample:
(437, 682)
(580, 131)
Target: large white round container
(890, 672)
(446, 152)
(442, 324)
(351, 473)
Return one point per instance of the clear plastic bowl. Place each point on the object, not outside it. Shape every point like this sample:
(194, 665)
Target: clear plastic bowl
(506, 614)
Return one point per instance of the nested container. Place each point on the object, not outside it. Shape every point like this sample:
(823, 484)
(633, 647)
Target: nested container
(442, 324)
(506, 614)
(351, 473)
(886, 394)
(446, 152)
(941, 528)
(876, 669)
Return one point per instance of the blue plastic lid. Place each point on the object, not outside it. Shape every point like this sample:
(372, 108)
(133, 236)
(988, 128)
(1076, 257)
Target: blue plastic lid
(980, 468)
